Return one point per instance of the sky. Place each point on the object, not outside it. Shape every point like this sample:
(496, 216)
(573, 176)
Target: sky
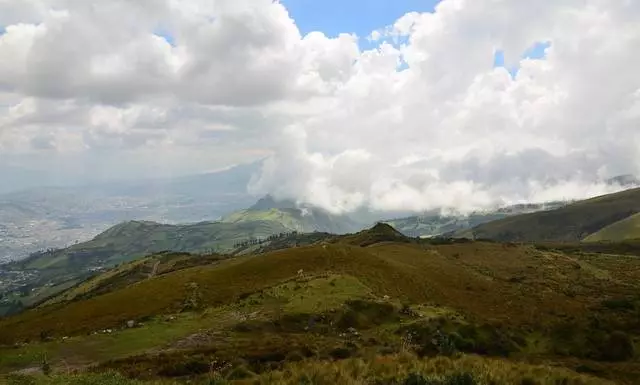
(333, 17)
(390, 105)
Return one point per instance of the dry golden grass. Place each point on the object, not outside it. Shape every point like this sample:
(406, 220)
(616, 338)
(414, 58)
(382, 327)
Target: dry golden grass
(489, 282)
(395, 369)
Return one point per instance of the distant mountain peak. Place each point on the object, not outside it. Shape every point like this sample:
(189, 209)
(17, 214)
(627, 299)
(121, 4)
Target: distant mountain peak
(268, 202)
(626, 180)
(380, 232)
(384, 228)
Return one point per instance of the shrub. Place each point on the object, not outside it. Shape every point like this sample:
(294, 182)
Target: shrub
(416, 379)
(618, 304)
(460, 379)
(365, 314)
(619, 347)
(340, 353)
(294, 356)
(189, 367)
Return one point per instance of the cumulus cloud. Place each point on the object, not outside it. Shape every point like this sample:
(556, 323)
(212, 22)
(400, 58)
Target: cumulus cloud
(449, 129)
(424, 120)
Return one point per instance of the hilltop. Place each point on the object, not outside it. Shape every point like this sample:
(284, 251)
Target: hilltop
(295, 217)
(370, 297)
(572, 223)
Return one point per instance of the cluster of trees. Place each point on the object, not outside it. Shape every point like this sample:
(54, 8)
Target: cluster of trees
(260, 241)
(42, 253)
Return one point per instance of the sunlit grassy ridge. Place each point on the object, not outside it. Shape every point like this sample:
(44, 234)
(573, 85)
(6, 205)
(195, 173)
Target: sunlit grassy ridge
(624, 230)
(567, 224)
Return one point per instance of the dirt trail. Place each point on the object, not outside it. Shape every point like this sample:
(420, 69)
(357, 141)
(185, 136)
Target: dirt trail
(154, 270)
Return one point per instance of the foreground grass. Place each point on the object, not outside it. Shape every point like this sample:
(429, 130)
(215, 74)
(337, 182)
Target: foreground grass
(88, 349)
(402, 369)
(309, 295)
(439, 370)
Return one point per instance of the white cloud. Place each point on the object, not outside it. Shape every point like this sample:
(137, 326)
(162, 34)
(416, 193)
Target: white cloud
(422, 121)
(471, 135)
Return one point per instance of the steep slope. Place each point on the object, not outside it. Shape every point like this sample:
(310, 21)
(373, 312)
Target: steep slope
(567, 224)
(131, 273)
(624, 230)
(435, 223)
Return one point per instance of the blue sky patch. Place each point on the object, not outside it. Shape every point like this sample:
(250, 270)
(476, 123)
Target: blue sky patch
(536, 52)
(336, 16)
(166, 35)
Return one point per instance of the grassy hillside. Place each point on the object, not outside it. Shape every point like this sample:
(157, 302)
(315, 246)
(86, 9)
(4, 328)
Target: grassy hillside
(567, 224)
(436, 224)
(131, 240)
(56, 270)
(624, 230)
(304, 219)
(131, 273)
(375, 295)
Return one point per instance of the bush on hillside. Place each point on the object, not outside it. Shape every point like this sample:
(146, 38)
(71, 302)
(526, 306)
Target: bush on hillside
(188, 367)
(366, 314)
(619, 304)
(618, 347)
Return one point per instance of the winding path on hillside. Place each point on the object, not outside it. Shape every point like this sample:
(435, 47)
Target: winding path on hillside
(154, 270)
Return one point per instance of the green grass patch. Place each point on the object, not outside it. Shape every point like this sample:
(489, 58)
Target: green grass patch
(313, 295)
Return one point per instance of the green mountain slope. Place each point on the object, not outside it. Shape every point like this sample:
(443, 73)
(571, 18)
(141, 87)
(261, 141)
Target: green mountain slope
(54, 270)
(131, 240)
(624, 230)
(304, 219)
(430, 225)
(477, 309)
(567, 224)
